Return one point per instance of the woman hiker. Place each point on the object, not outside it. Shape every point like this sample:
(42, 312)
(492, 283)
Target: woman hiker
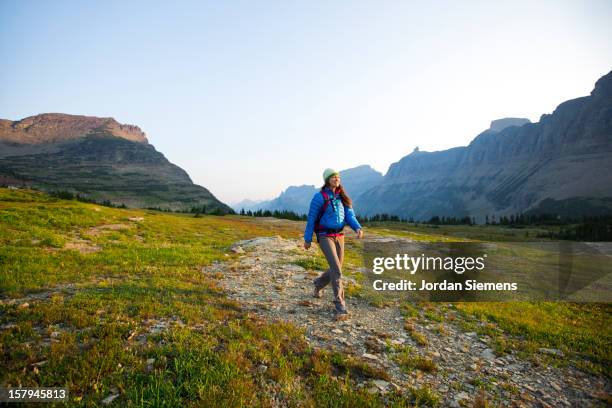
(330, 209)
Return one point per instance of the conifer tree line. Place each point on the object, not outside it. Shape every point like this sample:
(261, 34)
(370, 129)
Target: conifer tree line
(595, 228)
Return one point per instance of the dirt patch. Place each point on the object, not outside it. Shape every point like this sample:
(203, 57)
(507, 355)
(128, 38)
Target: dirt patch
(100, 229)
(67, 289)
(83, 246)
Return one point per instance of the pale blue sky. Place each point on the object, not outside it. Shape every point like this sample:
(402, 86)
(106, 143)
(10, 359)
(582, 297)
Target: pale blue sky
(252, 96)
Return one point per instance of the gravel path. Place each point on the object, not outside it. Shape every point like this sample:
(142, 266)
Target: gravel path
(461, 367)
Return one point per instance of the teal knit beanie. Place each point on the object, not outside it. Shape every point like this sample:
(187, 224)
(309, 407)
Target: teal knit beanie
(328, 173)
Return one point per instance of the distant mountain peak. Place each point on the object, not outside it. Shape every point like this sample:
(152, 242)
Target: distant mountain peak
(302, 187)
(59, 127)
(361, 171)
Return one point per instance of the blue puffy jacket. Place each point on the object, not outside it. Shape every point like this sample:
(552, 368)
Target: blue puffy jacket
(334, 217)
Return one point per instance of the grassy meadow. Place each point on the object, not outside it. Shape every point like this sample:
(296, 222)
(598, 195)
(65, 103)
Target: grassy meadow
(124, 308)
(581, 331)
(109, 301)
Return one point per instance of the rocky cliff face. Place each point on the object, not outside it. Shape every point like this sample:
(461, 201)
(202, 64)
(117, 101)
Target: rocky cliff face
(58, 127)
(500, 124)
(98, 158)
(531, 167)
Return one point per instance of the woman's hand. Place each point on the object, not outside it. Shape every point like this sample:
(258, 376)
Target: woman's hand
(306, 245)
(359, 233)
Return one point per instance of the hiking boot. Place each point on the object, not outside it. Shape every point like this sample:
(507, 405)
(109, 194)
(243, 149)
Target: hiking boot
(341, 310)
(316, 292)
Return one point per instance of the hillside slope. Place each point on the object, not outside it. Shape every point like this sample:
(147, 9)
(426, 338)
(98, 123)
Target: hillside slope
(97, 158)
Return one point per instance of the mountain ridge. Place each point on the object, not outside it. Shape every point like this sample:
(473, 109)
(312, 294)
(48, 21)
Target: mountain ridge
(97, 158)
(297, 198)
(563, 156)
(57, 127)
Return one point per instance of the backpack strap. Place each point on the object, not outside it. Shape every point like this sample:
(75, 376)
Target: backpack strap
(326, 200)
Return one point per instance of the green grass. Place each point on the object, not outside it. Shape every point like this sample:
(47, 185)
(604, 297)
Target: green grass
(98, 316)
(312, 263)
(583, 332)
(425, 397)
(454, 233)
(91, 326)
(410, 361)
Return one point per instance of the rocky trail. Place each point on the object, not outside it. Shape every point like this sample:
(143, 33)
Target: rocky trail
(461, 367)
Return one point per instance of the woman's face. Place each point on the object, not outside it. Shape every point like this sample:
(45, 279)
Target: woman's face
(334, 181)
